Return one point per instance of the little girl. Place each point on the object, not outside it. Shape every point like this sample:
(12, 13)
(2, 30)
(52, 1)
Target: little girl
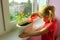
(49, 29)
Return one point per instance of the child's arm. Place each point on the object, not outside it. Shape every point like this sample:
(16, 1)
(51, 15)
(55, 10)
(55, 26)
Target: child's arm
(43, 30)
(36, 33)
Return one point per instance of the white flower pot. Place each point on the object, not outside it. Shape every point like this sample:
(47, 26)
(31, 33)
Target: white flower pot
(21, 28)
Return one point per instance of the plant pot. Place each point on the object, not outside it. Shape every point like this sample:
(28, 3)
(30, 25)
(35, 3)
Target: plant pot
(21, 29)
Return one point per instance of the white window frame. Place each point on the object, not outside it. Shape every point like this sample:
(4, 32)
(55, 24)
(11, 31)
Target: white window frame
(2, 28)
(9, 25)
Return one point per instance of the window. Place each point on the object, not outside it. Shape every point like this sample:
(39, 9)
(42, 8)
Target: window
(42, 2)
(16, 7)
(26, 7)
(37, 4)
(13, 8)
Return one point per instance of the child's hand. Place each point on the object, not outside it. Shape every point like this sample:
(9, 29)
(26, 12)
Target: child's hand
(23, 35)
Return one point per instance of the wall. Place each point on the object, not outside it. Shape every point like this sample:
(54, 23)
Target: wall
(57, 12)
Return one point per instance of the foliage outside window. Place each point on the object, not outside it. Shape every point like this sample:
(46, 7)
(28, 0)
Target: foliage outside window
(21, 10)
(17, 9)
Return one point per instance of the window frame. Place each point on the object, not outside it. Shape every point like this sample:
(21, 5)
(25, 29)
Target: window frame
(8, 25)
(2, 28)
